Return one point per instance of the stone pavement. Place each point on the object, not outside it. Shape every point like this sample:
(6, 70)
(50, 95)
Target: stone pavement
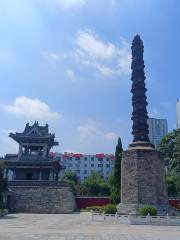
(77, 227)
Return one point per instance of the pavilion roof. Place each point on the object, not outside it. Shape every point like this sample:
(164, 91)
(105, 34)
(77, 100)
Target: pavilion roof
(34, 133)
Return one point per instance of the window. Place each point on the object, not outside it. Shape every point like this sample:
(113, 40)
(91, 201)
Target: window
(107, 159)
(92, 164)
(70, 158)
(92, 159)
(85, 165)
(85, 159)
(77, 158)
(107, 165)
(100, 165)
(100, 159)
(85, 171)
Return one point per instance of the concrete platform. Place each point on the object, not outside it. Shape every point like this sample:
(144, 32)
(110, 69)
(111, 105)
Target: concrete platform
(77, 227)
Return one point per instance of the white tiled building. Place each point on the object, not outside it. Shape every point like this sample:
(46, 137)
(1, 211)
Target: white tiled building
(158, 128)
(83, 165)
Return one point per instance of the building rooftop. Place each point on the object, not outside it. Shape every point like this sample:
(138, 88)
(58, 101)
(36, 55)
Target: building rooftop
(79, 155)
(34, 134)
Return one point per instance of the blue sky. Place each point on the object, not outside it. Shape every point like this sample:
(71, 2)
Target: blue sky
(67, 63)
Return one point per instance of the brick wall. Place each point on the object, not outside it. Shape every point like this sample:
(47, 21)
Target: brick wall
(41, 199)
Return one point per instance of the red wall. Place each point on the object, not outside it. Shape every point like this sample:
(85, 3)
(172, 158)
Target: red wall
(83, 202)
(175, 203)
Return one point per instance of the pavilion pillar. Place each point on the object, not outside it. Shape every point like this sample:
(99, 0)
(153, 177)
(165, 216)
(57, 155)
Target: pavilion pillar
(56, 177)
(40, 174)
(44, 151)
(6, 173)
(14, 174)
(20, 151)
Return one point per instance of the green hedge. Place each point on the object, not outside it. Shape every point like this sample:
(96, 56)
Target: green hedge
(110, 209)
(94, 208)
(148, 209)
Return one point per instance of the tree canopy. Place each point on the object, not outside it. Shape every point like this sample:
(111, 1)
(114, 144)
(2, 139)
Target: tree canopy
(95, 185)
(71, 178)
(115, 177)
(170, 148)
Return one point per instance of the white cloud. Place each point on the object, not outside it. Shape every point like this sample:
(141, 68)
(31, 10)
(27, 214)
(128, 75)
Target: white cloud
(53, 56)
(113, 2)
(105, 57)
(71, 75)
(57, 57)
(88, 129)
(94, 47)
(111, 136)
(154, 113)
(91, 52)
(105, 71)
(31, 108)
(92, 129)
(64, 3)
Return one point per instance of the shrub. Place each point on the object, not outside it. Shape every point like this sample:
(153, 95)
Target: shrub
(94, 208)
(85, 210)
(148, 209)
(110, 209)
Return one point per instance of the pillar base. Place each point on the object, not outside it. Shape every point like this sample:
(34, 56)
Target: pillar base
(142, 178)
(162, 209)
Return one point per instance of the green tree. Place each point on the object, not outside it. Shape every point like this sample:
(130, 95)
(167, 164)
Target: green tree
(170, 147)
(173, 185)
(115, 177)
(175, 162)
(71, 178)
(95, 185)
(3, 187)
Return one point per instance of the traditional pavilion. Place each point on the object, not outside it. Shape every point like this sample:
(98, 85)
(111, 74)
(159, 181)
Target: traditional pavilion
(33, 161)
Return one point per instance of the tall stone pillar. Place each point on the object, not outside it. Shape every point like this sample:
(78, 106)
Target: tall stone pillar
(142, 170)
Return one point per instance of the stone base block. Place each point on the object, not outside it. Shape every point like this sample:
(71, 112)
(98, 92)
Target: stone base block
(133, 209)
(143, 177)
(42, 199)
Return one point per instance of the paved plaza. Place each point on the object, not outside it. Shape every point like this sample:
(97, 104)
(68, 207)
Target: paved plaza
(77, 226)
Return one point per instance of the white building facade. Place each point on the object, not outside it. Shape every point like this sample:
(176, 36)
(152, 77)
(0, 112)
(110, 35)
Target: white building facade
(178, 113)
(84, 165)
(158, 128)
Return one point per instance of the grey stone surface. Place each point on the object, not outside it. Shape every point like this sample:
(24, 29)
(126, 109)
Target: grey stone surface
(77, 227)
(42, 199)
(142, 180)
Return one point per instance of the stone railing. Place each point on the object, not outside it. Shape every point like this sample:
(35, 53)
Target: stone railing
(136, 220)
(37, 183)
